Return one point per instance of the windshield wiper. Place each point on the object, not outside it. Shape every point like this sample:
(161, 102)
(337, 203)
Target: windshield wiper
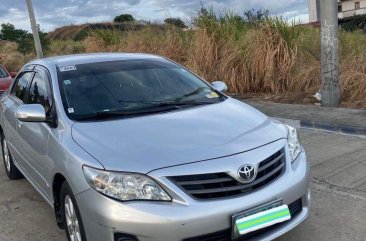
(114, 113)
(183, 103)
(195, 92)
(155, 107)
(169, 103)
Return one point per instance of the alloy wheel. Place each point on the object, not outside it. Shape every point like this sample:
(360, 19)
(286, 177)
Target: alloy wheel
(72, 221)
(6, 155)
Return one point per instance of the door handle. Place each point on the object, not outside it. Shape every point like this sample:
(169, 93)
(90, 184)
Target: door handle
(19, 123)
(3, 104)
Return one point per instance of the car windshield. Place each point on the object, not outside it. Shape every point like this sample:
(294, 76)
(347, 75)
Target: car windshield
(128, 87)
(3, 73)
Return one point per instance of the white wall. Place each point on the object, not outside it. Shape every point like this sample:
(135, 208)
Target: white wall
(348, 9)
(350, 5)
(312, 11)
(363, 3)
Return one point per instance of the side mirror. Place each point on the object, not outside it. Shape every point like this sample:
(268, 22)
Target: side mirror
(31, 113)
(13, 74)
(220, 86)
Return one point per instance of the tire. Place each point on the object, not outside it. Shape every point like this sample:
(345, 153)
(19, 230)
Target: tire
(74, 228)
(11, 170)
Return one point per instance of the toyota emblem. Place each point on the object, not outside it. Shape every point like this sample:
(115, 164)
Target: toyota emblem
(247, 173)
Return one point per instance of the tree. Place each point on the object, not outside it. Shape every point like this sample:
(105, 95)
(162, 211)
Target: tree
(176, 22)
(26, 45)
(24, 39)
(124, 18)
(45, 40)
(10, 33)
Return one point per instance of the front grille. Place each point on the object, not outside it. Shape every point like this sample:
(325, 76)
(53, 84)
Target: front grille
(225, 235)
(1, 92)
(220, 185)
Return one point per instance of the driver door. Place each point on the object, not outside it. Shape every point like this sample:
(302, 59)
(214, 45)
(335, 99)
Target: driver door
(34, 135)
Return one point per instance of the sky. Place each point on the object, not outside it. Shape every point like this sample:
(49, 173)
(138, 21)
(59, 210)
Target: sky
(51, 14)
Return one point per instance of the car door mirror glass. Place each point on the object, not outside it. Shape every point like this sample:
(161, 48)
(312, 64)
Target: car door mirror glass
(31, 113)
(220, 86)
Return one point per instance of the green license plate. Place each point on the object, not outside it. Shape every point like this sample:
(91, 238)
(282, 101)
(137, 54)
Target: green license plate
(260, 218)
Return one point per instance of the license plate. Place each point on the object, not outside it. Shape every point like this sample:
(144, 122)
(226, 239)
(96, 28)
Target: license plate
(259, 218)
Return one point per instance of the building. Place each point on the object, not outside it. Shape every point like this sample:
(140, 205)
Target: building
(350, 8)
(346, 9)
(314, 11)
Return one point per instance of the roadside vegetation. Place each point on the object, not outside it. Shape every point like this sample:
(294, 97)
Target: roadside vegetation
(258, 56)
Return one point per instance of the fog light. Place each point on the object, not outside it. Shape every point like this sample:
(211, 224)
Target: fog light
(124, 237)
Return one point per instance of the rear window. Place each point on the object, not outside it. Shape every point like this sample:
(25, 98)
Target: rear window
(3, 73)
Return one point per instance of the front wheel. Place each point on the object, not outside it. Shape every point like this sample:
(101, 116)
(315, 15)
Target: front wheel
(71, 216)
(11, 170)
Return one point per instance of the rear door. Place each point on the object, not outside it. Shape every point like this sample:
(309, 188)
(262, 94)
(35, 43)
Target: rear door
(10, 104)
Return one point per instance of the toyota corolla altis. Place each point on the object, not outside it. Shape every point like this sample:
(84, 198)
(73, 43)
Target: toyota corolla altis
(134, 147)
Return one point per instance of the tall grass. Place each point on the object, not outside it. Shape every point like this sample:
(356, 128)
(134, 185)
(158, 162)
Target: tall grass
(250, 58)
(11, 58)
(63, 47)
(270, 56)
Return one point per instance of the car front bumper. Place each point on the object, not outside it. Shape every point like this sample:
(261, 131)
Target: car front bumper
(185, 218)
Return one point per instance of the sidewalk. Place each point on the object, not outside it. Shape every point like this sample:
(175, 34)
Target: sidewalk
(348, 121)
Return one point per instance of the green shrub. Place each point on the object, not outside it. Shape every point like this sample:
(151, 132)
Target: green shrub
(23, 38)
(353, 23)
(177, 22)
(10, 33)
(124, 18)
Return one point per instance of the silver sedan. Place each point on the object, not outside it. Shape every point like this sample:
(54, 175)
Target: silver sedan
(134, 147)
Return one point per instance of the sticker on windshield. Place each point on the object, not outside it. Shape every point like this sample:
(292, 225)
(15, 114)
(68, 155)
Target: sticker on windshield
(71, 110)
(68, 68)
(212, 95)
(67, 82)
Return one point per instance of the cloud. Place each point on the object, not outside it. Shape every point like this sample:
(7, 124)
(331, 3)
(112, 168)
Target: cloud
(55, 13)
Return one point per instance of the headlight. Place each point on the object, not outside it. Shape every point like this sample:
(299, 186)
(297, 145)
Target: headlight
(125, 186)
(293, 143)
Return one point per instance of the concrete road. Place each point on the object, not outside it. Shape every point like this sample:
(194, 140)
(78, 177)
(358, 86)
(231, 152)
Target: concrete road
(338, 188)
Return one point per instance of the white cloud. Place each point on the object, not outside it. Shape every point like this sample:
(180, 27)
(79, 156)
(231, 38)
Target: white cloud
(55, 13)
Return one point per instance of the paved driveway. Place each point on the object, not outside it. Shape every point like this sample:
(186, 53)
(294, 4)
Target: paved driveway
(338, 187)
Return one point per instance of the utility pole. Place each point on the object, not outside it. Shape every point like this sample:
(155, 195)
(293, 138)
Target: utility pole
(33, 22)
(329, 53)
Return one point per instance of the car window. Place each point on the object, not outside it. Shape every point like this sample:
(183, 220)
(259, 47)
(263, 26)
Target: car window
(39, 91)
(3, 73)
(22, 84)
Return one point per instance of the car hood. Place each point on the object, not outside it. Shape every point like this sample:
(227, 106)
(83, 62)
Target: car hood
(144, 144)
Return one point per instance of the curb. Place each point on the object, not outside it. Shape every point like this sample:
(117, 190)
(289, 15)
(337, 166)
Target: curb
(352, 130)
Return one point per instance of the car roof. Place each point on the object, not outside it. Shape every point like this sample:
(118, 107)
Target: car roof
(75, 59)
